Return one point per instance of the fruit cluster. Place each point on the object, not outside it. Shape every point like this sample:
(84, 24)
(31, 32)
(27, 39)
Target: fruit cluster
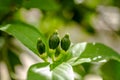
(54, 42)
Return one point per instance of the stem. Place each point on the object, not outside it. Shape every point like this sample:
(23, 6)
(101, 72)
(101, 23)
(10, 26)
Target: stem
(61, 56)
(53, 57)
(52, 54)
(44, 57)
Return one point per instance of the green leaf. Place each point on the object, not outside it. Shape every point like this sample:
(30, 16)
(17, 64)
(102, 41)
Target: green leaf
(91, 52)
(39, 71)
(41, 4)
(63, 72)
(111, 70)
(27, 34)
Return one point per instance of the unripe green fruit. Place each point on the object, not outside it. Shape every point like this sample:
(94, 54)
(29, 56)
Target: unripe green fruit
(54, 41)
(65, 42)
(40, 46)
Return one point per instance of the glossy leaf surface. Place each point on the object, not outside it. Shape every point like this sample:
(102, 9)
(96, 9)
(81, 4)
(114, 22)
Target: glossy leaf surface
(27, 34)
(63, 72)
(41, 71)
(91, 52)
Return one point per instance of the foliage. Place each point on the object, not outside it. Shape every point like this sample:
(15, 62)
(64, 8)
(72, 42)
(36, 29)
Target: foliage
(77, 54)
(58, 64)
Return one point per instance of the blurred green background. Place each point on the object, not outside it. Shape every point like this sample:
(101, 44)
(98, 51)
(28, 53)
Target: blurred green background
(84, 20)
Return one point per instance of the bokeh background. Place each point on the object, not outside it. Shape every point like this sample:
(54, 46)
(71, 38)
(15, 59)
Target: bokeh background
(84, 20)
